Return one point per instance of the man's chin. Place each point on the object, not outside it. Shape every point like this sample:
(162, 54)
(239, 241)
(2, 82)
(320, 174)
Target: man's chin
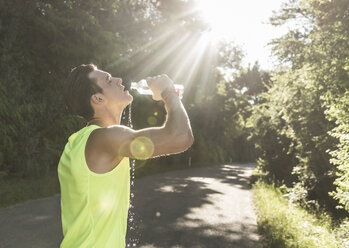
(129, 101)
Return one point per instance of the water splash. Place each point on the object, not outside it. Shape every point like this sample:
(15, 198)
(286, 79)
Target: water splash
(133, 234)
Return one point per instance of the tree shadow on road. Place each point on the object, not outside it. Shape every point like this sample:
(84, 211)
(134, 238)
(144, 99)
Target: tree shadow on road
(188, 208)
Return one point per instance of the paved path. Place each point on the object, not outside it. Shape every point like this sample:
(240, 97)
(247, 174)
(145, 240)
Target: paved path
(200, 207)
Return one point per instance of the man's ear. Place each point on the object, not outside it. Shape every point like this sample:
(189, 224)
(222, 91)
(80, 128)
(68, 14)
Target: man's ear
(97, 98)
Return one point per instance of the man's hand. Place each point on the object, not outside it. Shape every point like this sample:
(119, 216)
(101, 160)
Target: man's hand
(157, 84)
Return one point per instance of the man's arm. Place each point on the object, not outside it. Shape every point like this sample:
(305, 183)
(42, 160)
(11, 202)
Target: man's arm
(174, 136)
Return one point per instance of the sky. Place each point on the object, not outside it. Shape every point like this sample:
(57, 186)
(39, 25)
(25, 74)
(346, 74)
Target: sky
(246, 23)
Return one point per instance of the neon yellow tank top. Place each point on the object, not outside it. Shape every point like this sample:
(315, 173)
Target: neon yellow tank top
(94, 207)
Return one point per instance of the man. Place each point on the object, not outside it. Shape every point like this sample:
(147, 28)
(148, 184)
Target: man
(93, 170)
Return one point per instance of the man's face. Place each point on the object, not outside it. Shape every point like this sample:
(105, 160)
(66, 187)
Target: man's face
(113, 90)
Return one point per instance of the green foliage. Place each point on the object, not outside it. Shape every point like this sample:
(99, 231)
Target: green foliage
(283, 224)
(274, 148)
(339, 112)
(292, 123)
(19, 190)
(40, 42)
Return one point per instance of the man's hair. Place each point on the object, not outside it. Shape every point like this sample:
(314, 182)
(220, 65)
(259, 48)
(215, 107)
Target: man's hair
(78, 90)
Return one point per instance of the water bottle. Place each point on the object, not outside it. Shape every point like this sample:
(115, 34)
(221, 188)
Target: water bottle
(143, 89)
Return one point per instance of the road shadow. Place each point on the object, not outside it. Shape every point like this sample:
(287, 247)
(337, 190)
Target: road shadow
(164, 204)
(35, 223)
(198, 207)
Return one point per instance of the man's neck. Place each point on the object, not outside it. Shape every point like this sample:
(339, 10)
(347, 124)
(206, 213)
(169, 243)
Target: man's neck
(105, 122)
(106, 117)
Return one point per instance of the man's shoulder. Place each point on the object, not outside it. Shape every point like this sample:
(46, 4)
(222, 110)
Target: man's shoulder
(96, 136)
(105, 139)
(111, 132)
(98, 153)
(106, 132)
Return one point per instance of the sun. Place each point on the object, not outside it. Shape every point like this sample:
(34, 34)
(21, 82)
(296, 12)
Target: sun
(231, 19)
(214, 12)
(221, 16)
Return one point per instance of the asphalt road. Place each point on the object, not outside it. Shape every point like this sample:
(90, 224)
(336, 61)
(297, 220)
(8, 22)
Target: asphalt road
(199, 207)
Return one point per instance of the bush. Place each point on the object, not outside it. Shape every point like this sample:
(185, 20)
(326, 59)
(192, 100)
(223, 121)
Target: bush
(283, 224)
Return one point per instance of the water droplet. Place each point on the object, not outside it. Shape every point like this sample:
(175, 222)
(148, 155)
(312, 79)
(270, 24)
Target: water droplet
(132, 220)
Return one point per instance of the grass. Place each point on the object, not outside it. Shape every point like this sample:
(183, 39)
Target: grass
(19, 190)
(282, 224)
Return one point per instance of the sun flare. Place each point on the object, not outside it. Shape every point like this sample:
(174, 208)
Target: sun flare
(220, 15)
(243, 22)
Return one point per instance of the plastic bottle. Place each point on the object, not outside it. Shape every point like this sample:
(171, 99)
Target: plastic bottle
(143, 89)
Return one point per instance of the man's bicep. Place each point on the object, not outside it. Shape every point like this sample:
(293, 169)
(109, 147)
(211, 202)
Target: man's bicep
(144, 143)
